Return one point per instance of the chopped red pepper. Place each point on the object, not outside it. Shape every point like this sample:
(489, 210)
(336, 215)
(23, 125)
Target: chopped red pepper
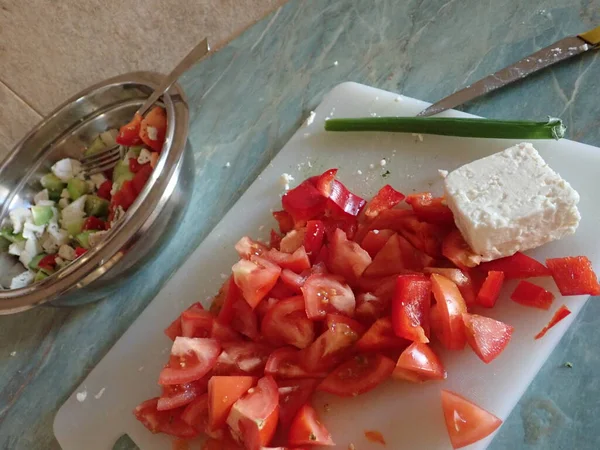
(93, 223)
(430, 209)
(375, 437)
(490, 289)
(304, 202)
(104, 190)
(574, 275)
(339, 194)
(48, 262)
(386, 198)
(530, 294)
(518, 265)
(313, 238)
(285, 221)
(130, 134)
(134, 165)
(141, 178)
(275, 239)
(153, 128)
(124, 197)
(79, 251)
(559, 315)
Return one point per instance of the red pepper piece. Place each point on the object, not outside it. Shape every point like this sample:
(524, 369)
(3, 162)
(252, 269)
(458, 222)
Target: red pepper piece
(574, 275)
(490, 289)
(559, 315)
(530, 294)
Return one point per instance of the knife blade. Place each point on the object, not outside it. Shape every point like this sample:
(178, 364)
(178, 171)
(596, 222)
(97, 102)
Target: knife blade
(559, 51)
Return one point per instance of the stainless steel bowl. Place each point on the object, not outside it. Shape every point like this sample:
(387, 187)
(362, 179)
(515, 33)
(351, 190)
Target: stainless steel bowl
(150, 221)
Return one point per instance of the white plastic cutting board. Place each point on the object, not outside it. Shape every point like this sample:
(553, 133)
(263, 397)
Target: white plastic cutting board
(408, 415)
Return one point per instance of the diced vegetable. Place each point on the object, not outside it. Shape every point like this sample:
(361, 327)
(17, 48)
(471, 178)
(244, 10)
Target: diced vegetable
(96, 146)
(490, 289)
(430, 209)
(76, 188)
(84, 239)
(574, 275)
(559, 315)
(487, 337)
(52, 183)
(530, 294)
(75, 227)
(386, 198)
(419, 363)
(130, 134)
(7, 234)
(34, 263)
(42, 214)
(518, 265)
(96, 206)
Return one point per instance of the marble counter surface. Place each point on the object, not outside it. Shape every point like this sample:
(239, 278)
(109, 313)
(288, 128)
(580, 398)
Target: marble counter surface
(248, 99)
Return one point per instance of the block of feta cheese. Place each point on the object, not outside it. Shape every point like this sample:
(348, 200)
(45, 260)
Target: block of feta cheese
(511, 201)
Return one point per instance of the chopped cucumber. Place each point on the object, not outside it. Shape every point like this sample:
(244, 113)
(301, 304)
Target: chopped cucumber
(77, 188)
(4, 244)
(109, 137)
(54, 195)
(7, 234)
(35, 261)
(136, 150)
(96, 146)
(52, 183)
(84, 239)
(41, 214)
(96, 206)
(40, 276)
(121, 173)
(75, 227)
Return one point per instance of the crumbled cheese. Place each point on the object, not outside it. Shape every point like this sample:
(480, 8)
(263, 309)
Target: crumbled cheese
(310, 119)
(63, 203)
(67, 252)
(67, 168)
(375, 231)
(32, 231)
(95, 238)
(90, 185)
(22, 280)
(224, 276)
(59, 235)
(13, 353)
(227, 164)
(98, 179)
(359, 172)
(443, 173)
(16, 248)
(115, 188)
(118, 214)
(371, 166)
(99, 394)
(152, 133)
(42, 195)
(32, 248)
(383, 162)
(65, 194)
(18, 216)
(511, 201)
(60, 262)
(398, 99)
(81, 396)
(285, 179)
(145, 156)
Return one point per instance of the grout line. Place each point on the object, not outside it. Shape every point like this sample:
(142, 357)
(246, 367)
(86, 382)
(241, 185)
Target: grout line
(22, 99)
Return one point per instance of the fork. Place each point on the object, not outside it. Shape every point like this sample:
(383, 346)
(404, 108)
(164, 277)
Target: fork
(109, 157)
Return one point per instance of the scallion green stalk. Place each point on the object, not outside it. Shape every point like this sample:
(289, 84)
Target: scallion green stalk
(447, 126)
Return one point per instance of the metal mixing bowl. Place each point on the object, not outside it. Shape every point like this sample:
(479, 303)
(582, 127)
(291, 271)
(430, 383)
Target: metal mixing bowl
(147, 225)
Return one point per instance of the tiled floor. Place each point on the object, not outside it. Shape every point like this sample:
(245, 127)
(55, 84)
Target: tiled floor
(49, 50)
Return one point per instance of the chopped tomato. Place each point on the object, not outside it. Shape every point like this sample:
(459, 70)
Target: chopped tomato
(141, 178)
(410, 309)
(285, 363)
(465, 421)
(153, 128)
(225, 443)
(336, 192)
(180, 444)
(381, 337)
(177, 395)
(94, 223)
(430, 209)
(224, 333)
(386, 198)
(467, 281)
(327, 293)
(231, 294)
(375, 436)
(486, 336)
(304, 202)
(313, 239)
(255, 278)
(104, 190)
(390, 219)
(244, 319)
(396, 256)
(419, 363)
(518, 265)
(253, 417)
(296, 262)
(559, 315)
(574, 275)
(451, 307)
(130, 134)
(223, 392)
(293, 240)
(359, 375)
(490, 289)
(374, 241)
(191, 359)
(168, 422)
(134, 165)
(274, 239)
(196, 322)
(246, 247)
(124, 197)
(456, 249)
(242, 358)
(347, 258)
(382, 287)
(287, 323)
(285, 221)
(348, 224)
(306, 429)
(48, 262)
(530, 294)
(292, 280)
(174, 329)
(292, 395)
(369, 308)
(79, 251)
(196, 413)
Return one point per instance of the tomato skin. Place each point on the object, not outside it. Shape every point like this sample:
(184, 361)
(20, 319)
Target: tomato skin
(327, 293)
(196, 413)
(191, 359)
(223, 392)
(255, 278)
(529, 294)
(574, 275)
(196, 322)
(292, 240)
(174, 329)
(369, 308)
(374, 241)
(157, 119)
(380, 336)
(430, 209)
(287, 323)
(304, 202)
(307, 430)
(486, 336)
(292, 395)
(175, 396)
(347, 258)
(48, 262)
(410, 309)
(104, 190)
(285, 221)
(338, 194)
(168, 422)
(559, 315)
(451, 307)
(468, 281)
(456, 249)
(386, 198)
(285, 363)
(246, 247)
(129, 134)
(314, 237)
(296, 262)
(242, 358)
(274, 239)
(465, 421)
(490, 289)
(518, 265)
(417, 363)
(94, 223)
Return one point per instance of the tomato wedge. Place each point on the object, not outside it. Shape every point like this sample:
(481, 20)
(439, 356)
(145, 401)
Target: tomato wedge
(559, 315)
(246, 247)
(287, 323)
(242, 358)
(285, 221)
(176, 395)
(456, 249)
(297, 261)
(153, 128)
(347, 258)
(130, 134)
(168, 422)
(306, 429)
(293, 240)
(253, 417)
(361, 374)
(490, 289)
(327, 293)
(191, 359)
(381, 337)
(285, 363)
(410, 309)
(486, 336)
(369, 308)
(468, 281)
(174, 329)
(465, 421)
(518, 265)
(196, 322)
(430, 209)
(314, 238)
(255, 278)
(223, 392)
(397, 256)
(292, 395)
(196, 413)
(529, 294)
(574, 275)
(417, 363)
(374, 241)
(451, 307)
(386, 198)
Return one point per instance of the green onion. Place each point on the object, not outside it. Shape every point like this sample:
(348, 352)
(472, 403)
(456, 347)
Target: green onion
(446, 126)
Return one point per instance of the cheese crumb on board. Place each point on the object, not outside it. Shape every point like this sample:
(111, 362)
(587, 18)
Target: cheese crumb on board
(81, 396)
(310, 119)
(511, 201)
(285, 179)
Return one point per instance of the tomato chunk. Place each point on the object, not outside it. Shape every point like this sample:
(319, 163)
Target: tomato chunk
(296, 262)
(397, 256)
(490, 289)
(347, 258)
(196, 413)
(153, 128)
(223, 392)
(176, 395)
(292, 395)
(314, 237)
(246, 247)
(518, 265)
(287, 323)
(374, 241)
(430, 209)
(419, 363)
(255, 278)
(410, 309)
(242, 358)
(327, 293)
(450, 306)
(574, 275)
(253, 417)
(380, 336)
(191, 359)
(306, 429)
(468, 281)
(386, 198)
(359, 375)
(130, 134)
(168, 422)
(559, 315)
(285, 221)
(285, 363)
(293, 240)
(196, 322)
(456, 249)
(530, 294)
(465, 421)
(486, 336)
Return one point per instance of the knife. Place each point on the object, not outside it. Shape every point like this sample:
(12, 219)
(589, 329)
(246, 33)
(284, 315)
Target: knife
(559, 51)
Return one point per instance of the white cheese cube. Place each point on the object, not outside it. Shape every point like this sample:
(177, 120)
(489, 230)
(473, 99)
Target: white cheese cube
(22, 280)
(98, 179)
(67, 252)
(145, 156)
(511, 201)
(18, 216)
(40, 196)
(67, 168)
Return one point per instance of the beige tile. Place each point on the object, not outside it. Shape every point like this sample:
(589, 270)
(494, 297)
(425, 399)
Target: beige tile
(16, 118)
(49, 50)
